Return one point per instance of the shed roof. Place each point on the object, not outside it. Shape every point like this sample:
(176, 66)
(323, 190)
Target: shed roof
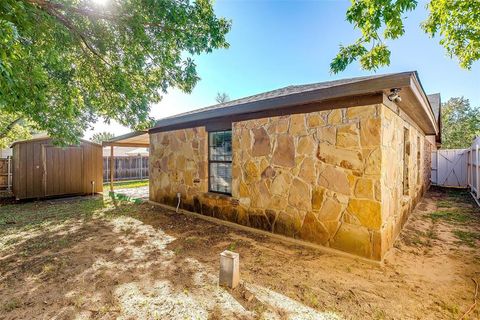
(308, 93)
(46, 138)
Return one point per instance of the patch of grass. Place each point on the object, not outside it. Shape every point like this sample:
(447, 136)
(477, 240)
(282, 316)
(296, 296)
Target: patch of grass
(379, 314)
(452, 308)
(467, 237)
(460, 216)
(419, 238)
(311, 298)
(445, 203)
(127, 184)
(11, 305)
(232, 246)
(35, 214)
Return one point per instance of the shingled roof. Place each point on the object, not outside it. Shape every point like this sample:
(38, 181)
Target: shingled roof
(282, 92)
(435, 104)
(297, 95)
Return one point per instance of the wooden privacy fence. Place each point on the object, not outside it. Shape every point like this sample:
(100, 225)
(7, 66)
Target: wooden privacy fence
(6, 173)
(126, 168)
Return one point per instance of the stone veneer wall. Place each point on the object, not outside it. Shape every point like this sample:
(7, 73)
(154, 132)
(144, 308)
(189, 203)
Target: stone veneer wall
(316, 176)
(178, 163)
(396, 205)
(313, 176)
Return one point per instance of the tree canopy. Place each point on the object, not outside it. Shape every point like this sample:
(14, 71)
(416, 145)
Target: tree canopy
(13, 128)
(99, 137)
(460, 123)
(456, 22)
(65, 63)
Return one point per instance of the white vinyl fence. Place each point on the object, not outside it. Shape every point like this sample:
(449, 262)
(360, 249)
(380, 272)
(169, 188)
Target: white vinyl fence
(458, 168)
(473, 168)
(449, 168)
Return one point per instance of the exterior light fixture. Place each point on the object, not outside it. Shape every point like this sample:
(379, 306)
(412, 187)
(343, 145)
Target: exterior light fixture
(394, 95)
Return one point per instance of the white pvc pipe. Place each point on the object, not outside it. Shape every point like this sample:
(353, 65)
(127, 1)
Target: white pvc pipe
(178, 204)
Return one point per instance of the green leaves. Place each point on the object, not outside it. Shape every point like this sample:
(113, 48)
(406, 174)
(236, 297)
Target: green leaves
(457, 22)
(64, 64)
(346, 56)
(13, 128)
(460, 123)
(99, 137)
(372, 16)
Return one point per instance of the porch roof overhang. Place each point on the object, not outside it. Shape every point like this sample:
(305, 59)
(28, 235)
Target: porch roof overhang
(132, 139)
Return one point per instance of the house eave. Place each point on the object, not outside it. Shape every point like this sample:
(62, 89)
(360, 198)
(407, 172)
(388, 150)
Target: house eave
(380, 85)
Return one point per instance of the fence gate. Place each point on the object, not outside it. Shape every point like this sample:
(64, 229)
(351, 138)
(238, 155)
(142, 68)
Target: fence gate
(6, 173)
(449, 168)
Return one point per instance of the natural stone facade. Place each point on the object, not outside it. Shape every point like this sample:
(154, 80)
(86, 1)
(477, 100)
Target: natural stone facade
(397, 200)
(326, 177)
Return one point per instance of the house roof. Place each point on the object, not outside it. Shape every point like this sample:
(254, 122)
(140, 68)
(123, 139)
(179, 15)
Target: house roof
(417, 104)
(436, 103)
(434, 100)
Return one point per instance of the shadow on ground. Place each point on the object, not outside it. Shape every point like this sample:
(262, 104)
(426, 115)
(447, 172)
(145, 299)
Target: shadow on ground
(87, 258)
(84, 258)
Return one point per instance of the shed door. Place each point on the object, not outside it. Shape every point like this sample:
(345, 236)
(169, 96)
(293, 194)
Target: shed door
(63, 170)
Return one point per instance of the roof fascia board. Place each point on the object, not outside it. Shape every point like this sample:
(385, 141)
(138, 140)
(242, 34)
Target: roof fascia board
(126, 144)
(419, 93)
(126, 136)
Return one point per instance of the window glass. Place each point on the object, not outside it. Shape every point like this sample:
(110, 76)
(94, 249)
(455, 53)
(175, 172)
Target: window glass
(220, 161)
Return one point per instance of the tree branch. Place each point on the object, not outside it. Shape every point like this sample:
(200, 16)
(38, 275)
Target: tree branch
(50, 9)
(9, 127)
(82, 11)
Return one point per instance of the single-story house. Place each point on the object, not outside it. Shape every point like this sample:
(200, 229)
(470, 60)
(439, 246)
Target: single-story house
(339, 163)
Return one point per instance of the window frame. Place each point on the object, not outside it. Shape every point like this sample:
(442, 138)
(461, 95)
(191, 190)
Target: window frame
(210, 161)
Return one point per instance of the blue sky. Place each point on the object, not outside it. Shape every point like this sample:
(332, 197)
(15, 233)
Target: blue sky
(276, 43)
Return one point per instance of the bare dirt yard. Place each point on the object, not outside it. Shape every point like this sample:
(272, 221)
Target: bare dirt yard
(85, 258)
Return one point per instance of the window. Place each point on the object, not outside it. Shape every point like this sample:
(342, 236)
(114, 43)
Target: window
(220, 161)
(406, 157)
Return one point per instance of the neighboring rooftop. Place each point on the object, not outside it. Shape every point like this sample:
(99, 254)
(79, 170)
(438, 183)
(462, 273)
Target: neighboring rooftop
(435, 104)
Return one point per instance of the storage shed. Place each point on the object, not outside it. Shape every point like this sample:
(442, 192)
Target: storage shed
(41, 169)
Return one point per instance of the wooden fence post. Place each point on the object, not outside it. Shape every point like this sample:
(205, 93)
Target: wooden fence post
(112, 168)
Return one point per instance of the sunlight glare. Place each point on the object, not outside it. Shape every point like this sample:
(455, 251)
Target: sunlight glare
(100, 2)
